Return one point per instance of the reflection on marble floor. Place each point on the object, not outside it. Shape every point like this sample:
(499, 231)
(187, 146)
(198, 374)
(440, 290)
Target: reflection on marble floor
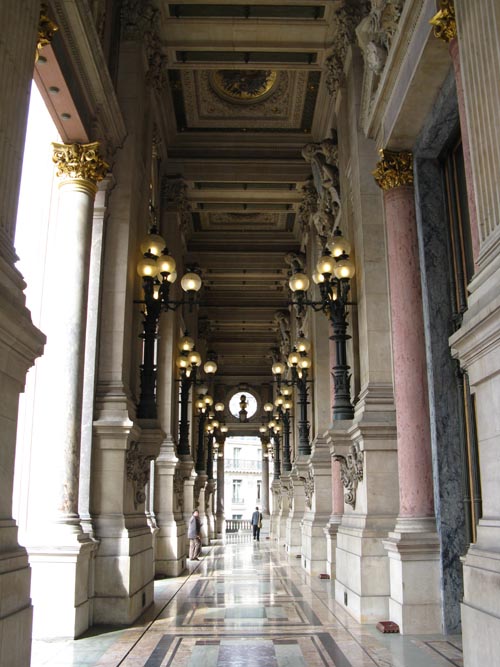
(247, 605)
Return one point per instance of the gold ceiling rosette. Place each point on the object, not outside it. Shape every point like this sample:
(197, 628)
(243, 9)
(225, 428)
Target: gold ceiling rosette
(244, 86)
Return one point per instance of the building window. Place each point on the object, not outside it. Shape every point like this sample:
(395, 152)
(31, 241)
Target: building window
(236, 455)
(237, 517)
(237, 491)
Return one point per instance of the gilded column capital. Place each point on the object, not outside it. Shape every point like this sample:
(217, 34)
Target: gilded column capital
(80, 162)
(46, 30)
(444, 22)
(394, 169)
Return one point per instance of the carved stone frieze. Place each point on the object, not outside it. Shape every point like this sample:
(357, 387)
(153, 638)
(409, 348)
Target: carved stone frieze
(138, 472)
(376, 31)
(174, 195)
(282, 319)
(347, 17)
(179, 489)
(137, 18)
(323, 158)
(444, 22)
(156, 75)
(79, 161)
(394, 169)
(307, 208)
(290, 492)
(308, 488)
(351, 472)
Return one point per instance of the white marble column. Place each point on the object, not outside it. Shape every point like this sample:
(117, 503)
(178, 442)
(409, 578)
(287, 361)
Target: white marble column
(265, 479)
(219, 514)
(60, 552)
(20, 341)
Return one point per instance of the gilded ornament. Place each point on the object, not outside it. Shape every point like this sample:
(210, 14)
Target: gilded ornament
(394, 169)
(46, 30)
(244, 86)
(444, 22)
(80, 161)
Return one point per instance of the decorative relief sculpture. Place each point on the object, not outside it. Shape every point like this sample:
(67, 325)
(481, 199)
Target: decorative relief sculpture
(308, 488)
(307, 208)
(444, 22)
(347, 18)
(138, 472)
(376, 31)
(323, 158)
(282, 319)
(290, 496)
(179, 489)
(351, 472)
(174, 194)
(394, 169)
(79, 161)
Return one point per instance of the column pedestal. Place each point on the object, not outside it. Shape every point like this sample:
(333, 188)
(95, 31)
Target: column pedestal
(275, 509)
(285, 505)
(293, 536)
(318, 505)
(200, 488)
(170, 558)
(209, 493)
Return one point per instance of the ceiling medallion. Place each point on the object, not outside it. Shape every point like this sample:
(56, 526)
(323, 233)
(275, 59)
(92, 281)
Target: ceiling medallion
(243, 86)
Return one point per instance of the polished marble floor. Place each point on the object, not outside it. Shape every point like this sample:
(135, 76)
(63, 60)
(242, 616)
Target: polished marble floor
(246, 604)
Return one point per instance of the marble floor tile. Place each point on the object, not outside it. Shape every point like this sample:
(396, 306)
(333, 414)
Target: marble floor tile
(246, 604)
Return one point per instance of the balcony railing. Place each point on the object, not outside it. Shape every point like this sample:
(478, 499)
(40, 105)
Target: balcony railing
(238, 525)
(242, 465)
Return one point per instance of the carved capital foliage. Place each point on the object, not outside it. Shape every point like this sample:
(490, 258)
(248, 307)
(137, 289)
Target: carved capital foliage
(138, 472)
(80, 161)
(347, 18)
(444, 22)
(308, 488)
(394, 169)
(351, 472)
(46, 30)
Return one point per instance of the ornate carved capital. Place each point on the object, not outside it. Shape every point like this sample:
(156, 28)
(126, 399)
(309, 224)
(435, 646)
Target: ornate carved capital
(137, 472)
(394, 169)
(444, 22)
(46, 30)
(308, 488)
(351, 472)
(80, 162)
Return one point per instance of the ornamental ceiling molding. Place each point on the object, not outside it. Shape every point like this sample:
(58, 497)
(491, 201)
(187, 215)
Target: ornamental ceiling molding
(351, 472)
(206, 109)
(347, 18)
(88, 64)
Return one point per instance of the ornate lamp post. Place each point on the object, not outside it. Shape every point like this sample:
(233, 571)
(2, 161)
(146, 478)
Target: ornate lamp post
(333, 273)
(157, 270)
(188, 363)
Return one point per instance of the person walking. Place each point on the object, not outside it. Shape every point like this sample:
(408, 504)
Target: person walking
(256, 524)
(194, 534)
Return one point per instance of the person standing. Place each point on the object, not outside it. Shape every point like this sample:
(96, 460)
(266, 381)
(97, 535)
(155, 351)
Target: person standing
(256, 524)
(194, 535)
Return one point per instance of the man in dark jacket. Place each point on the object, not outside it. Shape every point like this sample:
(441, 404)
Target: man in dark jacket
(256, 524)
(194, 534)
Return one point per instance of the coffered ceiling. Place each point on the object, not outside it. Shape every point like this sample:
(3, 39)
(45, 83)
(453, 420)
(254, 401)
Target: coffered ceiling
(246, 91)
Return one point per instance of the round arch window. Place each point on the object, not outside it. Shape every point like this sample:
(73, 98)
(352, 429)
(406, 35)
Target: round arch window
(243, 400)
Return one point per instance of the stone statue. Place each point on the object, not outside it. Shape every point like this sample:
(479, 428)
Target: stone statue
(323, 158)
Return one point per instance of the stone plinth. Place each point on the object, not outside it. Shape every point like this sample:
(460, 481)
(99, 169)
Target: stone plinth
(293, 535)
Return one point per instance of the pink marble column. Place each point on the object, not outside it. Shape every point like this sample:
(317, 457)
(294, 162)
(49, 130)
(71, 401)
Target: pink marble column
(471, 200)
(394, 174)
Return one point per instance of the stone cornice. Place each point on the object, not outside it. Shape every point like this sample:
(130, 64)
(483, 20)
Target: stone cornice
(78, 31)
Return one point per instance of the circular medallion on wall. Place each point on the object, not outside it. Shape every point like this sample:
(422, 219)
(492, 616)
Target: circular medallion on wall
(244, 86)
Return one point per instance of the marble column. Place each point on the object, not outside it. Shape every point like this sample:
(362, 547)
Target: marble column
(171, 552)
(59, 550)
(265, 478)
(413, 546)
(332, 527)
(20, 341)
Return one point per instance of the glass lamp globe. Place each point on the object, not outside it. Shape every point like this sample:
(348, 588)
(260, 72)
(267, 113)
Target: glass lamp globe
(208, 427)
(278, 368)
(287, 405)
(318, 278)
(299, 282)
(191, 282)
(305, 362)
(154, 244)
(194, 358)
(165, 264)
(303, 344)
(278, 428)
(219, 407)
(202, 390)
(272, 424)
(224, 428)
(209, 400)
(293, 358)
(146, 267)
(268, 407)
(279, 401)
(200, 404)
(286, 390)
(344, 268)
(186, 344)
(326, 265)
(172, 277)
(182, 362)
(338, 245)
(262, 429)
(210, 367)
(215, 423)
